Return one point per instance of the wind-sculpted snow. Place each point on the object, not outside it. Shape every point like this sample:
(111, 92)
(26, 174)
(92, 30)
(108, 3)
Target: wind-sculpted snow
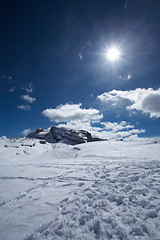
(103, 190)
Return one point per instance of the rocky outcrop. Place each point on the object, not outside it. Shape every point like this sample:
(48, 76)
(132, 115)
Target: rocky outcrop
(70, 136)
(35, 134)
(42, 134)
(64, 135)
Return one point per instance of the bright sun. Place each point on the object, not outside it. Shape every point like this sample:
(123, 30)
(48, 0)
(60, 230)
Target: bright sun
(113, 54)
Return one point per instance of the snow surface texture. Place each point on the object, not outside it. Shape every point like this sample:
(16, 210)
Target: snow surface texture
(99, 190)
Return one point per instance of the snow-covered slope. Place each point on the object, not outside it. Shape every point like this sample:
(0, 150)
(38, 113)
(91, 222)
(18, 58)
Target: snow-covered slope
(98, 190)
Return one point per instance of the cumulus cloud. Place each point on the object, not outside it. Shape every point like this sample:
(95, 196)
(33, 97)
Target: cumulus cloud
(28, 98)
(24, 107)
(145, 100)
(115, 126)
(121, 129)
(26, 132)
(72, 112)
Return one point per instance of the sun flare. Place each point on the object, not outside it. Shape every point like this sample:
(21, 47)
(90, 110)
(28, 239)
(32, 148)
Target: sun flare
(113, 54)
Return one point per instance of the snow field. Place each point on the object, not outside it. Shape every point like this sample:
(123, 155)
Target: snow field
(121, 202)
(99, 190)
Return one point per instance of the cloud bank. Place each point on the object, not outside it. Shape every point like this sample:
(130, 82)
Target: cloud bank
(145, 100)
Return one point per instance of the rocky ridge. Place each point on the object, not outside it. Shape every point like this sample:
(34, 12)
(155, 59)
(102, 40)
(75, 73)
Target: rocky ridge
(61, 134)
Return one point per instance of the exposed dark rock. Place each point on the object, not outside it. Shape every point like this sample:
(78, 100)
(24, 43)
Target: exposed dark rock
(70, 136)
(42, 142)
(35, 134)
(28, 145)
(98, 139)
(56, 134)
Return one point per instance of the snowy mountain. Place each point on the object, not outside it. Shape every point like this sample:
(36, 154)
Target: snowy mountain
(96, 190)
(60, 134)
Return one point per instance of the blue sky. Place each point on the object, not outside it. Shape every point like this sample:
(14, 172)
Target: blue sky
(54, 68)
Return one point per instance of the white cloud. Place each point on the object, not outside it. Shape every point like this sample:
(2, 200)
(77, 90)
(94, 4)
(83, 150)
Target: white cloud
(72, 112)
(137, 131)
(120, 130)
(24, 107)
(29, 88)
(80, 56)
(26, 132)
(129, 76)
(28, 98)
(140, 99)
(126, 76)
(115, 126)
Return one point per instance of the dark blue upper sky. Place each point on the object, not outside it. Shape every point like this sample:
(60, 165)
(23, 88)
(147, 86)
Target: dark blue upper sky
(52, 56)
